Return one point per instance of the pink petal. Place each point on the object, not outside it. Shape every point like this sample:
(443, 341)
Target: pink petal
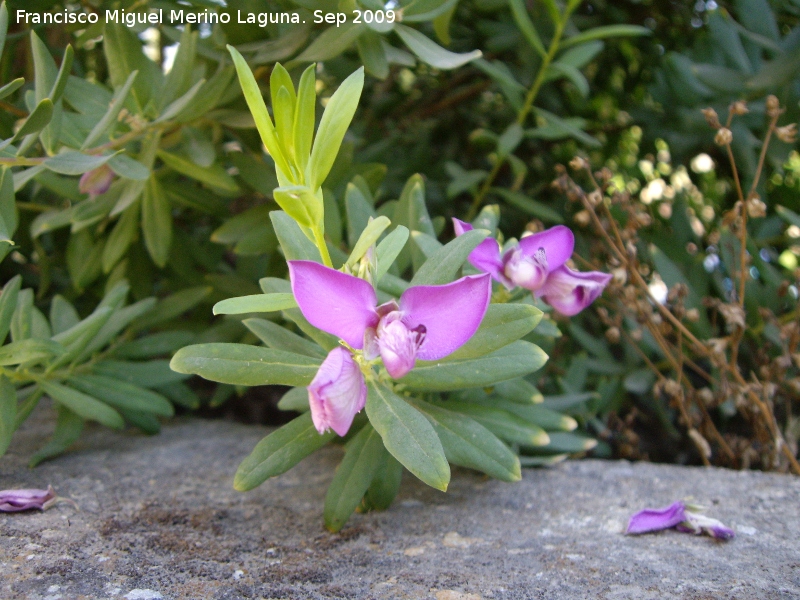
(450, 313)
(486, 255)
(398, 345)
(558, 243)
(19, 500)
(335, 302)
(529, 272)
(569, 292)
(656, 519)
(337, 392)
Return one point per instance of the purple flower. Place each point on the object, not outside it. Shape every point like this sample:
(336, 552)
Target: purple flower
(677, 516)
(526, 264)
(537, 263)
(569, 292)
(337, 392)
(97, 181)
(17, 500)
(656, 519)
(429, 321)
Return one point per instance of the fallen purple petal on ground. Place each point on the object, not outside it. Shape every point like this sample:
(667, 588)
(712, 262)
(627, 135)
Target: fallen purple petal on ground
(675, 516)
(19, 500)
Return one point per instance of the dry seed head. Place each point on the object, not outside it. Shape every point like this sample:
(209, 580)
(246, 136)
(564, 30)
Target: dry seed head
(739, 108)
(595, 197)
(636, 335)
(756, 207)
(723, 137)
(787, 133)
(773, 106)
(582, 218)
(711, 118)
(693, 315)
(706, 396)
(578, 163)
(702, 444)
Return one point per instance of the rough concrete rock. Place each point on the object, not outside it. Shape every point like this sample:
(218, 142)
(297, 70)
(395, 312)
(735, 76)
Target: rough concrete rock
(158, 519)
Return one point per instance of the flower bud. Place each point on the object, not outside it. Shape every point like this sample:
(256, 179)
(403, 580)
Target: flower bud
(787, 133)
(739, 108)
(723, 137)
(773, 106)
(711, 118)
(337, 392)
(97, 181)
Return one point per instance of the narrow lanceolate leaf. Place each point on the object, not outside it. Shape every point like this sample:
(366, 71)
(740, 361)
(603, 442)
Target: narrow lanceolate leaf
(156, 222)
(295, 399)
(149, 374)
(304, 117)
(443, 265)
(122, 395)
(36, 121)
(255, 102)
(368, 237)
(385, 484)
(279, 452)
(214, 176)
(514, 360)
(75, 163)
(8, 302)
(68, 429)
(408, 435)
(353, 477)
(469, 444)
(241, 364)
(8, 412)
(502, 423)
(432, 53)
(114, 108)
(334, 123)
(280, 338)
(83, 404)
(254, 303)
(566, 442)
(389, 249)
(29, 350)
(502, 325)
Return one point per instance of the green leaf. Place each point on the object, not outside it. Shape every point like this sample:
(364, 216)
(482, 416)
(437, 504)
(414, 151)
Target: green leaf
(3, 25)
(304, 117)
(120, 394)
(514, 360)
(432, 53)
(563, 442)
(29, 350)
(36, 121)
(121, 237)
(353, 477)
(8, 304)
(180, 394)
(11, 87)
(72, 162)
(83, 404)
(254, 303)
(8, 208)
(369, 236)
(509, 140)
(469, 444)
(258, 108)
(331, 42)
(280, 338)
(359, 212)
(520, 13)
(279, 452)
(443, 265)
(156, 344)
(68, 429)
(528, 205)
(124, 166)
(149, 374)
(62, 314)
(295, 245)
(788, 215)
(241, 364)
(124, 55)
(60, 84)
(172, 306)
(334, 123)
(301, 204)
(502, 423)
(8, 408)
(214, 176)
(388, 250)
(156, 222)
(385, 483)
(295, 399)
(547, 419)
(605, 32)
(179, 78)
(502, 325)
(408, 435)
(372, 54)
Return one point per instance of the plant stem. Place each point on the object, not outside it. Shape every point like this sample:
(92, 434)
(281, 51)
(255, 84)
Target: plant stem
(530, 97)
(323, 247)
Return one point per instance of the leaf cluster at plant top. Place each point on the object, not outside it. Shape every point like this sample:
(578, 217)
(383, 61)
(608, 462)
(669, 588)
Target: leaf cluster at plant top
(132, 160)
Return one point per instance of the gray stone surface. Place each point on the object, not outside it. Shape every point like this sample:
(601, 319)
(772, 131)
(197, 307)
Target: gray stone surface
(158, 518)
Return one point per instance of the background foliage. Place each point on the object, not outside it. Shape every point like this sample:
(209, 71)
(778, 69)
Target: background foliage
(185, 223)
